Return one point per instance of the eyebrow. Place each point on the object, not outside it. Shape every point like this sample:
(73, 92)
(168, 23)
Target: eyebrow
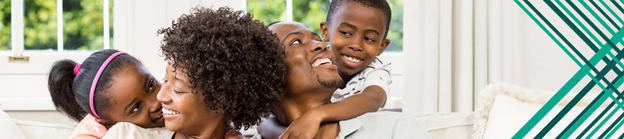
(292, 33)
(315, 34)
(353, 26)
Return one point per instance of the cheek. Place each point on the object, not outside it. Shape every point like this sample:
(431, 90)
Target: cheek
(372, 49)
(189, 103)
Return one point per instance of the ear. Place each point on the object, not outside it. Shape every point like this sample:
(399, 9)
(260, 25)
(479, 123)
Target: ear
(107, 123)
(324, 28)
(383, 46)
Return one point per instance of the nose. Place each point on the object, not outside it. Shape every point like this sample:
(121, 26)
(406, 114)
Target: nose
(163, 94)
(357, 46)
(318, 46)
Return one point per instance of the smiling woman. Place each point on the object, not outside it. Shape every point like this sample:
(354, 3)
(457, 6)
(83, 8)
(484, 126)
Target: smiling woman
(225, 72)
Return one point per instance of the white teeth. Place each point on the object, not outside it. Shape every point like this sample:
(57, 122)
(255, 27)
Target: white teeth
(170, 112)
(352, 59)
(319, 62)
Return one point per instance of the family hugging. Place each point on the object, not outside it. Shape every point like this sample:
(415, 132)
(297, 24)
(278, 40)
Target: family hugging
(228, 72)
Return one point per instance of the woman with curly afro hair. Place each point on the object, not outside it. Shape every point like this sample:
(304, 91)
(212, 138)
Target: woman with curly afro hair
(225, 72)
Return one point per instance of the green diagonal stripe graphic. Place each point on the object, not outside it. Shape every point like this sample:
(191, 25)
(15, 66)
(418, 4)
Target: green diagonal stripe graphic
(604, 48)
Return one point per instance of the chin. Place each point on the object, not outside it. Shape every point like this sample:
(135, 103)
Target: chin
(173, 127)
(333, 83)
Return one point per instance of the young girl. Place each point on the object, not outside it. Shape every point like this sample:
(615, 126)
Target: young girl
(108, 87)
(224, 68)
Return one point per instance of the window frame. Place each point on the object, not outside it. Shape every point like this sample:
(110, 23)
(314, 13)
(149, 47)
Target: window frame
(40, 61)
(17, 26)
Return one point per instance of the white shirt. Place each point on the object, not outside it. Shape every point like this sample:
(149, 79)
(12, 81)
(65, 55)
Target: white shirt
(125, 130)
(377, 73)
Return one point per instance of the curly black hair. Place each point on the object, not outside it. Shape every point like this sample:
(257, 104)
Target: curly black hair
(236, 60)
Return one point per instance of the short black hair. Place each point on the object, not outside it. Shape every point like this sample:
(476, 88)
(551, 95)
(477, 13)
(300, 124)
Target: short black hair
(381, 5)
(70, 92)
(236, 61)
(273, 23)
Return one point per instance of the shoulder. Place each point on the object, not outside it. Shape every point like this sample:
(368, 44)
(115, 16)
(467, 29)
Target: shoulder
(88, 128)
(378, 66)
(380, 62)
(387, 125)
(129, 130)
(385, 117)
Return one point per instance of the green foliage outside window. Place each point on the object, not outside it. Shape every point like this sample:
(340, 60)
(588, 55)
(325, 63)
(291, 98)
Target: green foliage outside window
(40, 24)
(5, 24)
(312, 12)
(395, 33)
(83, 22)
(267, 11)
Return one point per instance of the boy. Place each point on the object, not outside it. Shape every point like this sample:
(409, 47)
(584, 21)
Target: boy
(356, 31)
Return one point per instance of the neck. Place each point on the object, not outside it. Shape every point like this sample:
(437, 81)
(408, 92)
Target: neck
(345, 79)
(210, 131)
(293, 107)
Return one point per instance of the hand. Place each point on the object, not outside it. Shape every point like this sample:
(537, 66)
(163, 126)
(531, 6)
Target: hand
(305, 127)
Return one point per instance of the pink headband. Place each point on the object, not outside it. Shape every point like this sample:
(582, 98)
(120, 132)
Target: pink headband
(97, 77)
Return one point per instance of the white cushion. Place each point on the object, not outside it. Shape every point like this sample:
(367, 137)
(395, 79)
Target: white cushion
(8, 128)
(41, 130)
(509, 114)
(511, 110)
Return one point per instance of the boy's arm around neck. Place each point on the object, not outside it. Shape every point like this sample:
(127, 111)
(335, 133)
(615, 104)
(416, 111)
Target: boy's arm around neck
(370, 100)
(306, 126)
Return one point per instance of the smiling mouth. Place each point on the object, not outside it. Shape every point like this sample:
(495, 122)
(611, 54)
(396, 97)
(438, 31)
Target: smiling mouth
(169, 112)
(322, 61)
(352, 59)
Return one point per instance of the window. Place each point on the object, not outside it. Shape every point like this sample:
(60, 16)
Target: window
(312, 12)
(45, 31)
(5, 24)
(79, 25)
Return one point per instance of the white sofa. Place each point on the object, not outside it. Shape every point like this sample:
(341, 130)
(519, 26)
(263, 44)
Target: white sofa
(439, 125)
(501, 111)
(22, 129)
